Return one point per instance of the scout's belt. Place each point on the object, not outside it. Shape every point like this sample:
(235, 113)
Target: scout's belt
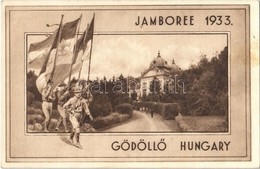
(61, 103)
(75, 112)
(47, 100)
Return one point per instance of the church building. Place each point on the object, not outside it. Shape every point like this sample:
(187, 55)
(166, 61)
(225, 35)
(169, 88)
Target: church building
(160, 69)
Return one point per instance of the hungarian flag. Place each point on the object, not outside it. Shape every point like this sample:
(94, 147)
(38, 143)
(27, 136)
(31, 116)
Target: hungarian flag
(82, 53)
(54, 64)
(38, 52)
(84, 43)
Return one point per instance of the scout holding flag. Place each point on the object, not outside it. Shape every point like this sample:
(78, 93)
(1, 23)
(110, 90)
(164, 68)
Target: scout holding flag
(58, 57)
(47, 98)
(62, 95)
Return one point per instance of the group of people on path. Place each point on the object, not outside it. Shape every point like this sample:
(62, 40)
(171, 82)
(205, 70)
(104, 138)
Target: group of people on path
(76, 107)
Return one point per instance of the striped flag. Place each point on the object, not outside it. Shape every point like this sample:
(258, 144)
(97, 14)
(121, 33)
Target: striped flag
(38, 52)
(59, 57)
(84, 43)
(82, 53)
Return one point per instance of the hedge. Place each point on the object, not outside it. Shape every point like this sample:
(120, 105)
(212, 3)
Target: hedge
(167, 110)
(125, 108)
(148, 105)
(110, 120)
(120, 99)
(171, 110)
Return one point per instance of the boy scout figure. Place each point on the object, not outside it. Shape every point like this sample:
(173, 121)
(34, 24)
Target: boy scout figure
(76, 106)
(47, 99)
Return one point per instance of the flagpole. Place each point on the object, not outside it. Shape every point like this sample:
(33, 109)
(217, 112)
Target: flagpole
(80, 70)
(83, 52)
(74, 52)
(57, 46)
(91, 48)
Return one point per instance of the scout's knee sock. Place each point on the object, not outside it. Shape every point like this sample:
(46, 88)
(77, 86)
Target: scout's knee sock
(46, 124)
(58, 123)
(77, 134)
(64, 123)
(72, 134)
(77, 137)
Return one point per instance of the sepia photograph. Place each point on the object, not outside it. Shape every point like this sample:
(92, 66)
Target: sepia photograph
(172, 87)
(98, 85)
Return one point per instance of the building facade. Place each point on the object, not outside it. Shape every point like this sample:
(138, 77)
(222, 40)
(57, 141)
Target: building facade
(160, 69)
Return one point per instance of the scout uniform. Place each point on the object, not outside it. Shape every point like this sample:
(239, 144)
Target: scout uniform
(76, 106)
(47, 99)
(62, 96)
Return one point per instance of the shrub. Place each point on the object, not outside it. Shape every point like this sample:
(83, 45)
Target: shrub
(31, 119)
(123, 117)
(36, 104)
(109, 120)
(31, 110)
(113, 118)
(52, 124)
(39, 118)
(38, 111)
(125, 108)
(98, 123)
(30, 127)
(87, 128)
(159, 108)
(100, 106)
(153, 97)
(171, 110)
(30, 98)
(137, 105)
(116, 117)
(38, 127)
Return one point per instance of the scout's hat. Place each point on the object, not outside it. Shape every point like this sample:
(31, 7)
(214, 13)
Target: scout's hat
(76, 89)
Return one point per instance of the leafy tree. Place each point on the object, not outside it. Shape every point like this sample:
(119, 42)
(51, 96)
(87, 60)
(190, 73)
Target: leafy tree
(206, 86)
(100, 105)
(106, 88)
(31, 86)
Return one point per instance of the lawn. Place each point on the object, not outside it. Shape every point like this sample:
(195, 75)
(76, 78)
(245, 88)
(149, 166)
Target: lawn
(203, 123)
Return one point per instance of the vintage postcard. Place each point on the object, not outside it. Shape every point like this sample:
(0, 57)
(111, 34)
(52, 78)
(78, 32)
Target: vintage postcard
(131, 84)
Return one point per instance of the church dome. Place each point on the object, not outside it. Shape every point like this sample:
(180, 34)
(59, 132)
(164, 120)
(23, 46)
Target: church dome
(159, 62)
(174, 68)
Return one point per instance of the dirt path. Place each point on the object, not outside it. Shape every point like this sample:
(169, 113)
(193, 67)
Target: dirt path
(143, 122)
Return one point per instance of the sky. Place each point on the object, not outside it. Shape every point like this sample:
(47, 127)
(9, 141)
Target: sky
(130, 54)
